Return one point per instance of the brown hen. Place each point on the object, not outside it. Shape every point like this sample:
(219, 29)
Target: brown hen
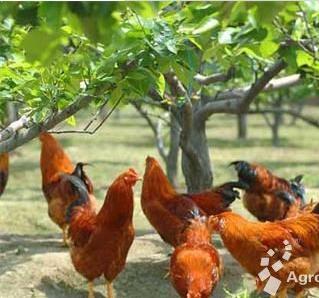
(267, 196)
(100, 242)
(195, 266)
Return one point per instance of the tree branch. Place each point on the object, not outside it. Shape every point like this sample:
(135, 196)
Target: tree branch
(307, 119)
(14, 127)
(220, 77)
(238, 100)
(267, 119)
(260, 84)
(156, 131)
(22, 137)
(85, 130)
(313, 45)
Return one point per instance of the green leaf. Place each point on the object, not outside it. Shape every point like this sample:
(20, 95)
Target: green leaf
(268, 48)
(51, 13)
(115, 96)
(184, 74)
(208, 24)
(160, 84)
(42, 45)
(252, 51)
(225, 37)
(304, 58)
(71, 121)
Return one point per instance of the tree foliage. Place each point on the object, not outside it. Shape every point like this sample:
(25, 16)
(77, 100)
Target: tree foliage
(122, 50)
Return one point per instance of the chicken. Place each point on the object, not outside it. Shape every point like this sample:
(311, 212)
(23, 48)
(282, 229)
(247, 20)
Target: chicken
(195, 266)
(99, 243)
(57, 191)
(168, 211)
(294, 242)
(269, 197)
(4, 171)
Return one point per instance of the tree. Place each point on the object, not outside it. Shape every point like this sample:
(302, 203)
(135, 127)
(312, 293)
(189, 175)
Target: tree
(191, 60)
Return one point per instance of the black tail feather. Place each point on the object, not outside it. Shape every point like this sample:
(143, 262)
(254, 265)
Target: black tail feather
(244, 170)
(83, 196)
(315, 210)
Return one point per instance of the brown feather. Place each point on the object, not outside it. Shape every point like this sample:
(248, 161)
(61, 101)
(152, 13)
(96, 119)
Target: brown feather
(167, 211)
(195, 266)
(249, 241)
(55, 163)
(261, 198)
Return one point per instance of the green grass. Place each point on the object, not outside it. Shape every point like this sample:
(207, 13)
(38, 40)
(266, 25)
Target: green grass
(125, 142)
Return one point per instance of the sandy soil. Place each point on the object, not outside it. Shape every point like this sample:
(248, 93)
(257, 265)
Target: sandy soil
(37, 266)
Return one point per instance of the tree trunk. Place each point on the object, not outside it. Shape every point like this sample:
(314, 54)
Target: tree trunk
(298, 109)
(275, 129)
(198, 177)
(277, 122)
(242, 126)
(172, 156)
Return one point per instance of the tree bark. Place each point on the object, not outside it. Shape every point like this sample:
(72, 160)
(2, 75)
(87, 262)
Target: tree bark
(198, 178)
(10, 140)
(275, 129)
(242, 126)
(172, 156)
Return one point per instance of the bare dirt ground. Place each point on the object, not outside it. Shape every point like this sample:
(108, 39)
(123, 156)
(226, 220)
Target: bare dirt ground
(38, 266)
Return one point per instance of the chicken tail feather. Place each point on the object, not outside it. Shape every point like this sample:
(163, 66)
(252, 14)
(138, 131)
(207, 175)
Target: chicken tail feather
(245, 172)
(315, 210)
(83, 197)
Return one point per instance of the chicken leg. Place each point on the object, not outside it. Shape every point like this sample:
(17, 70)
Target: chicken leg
(301, 294)
(91, 289)
(281, 294)
(65, 235)
(109, 289)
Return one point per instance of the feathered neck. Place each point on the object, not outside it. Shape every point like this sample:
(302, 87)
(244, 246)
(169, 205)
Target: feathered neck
(156, 182)
(197, 232)
(53, 159)
(119, 203)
